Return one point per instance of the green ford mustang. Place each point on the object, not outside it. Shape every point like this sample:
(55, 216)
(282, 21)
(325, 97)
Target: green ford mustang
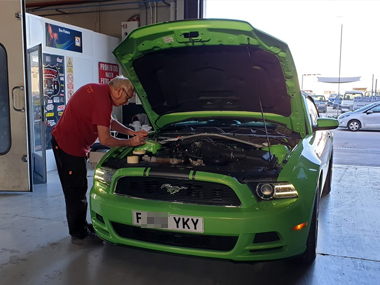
(238, 158)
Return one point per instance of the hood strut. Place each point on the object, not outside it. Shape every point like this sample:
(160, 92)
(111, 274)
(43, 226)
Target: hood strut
(270, 166)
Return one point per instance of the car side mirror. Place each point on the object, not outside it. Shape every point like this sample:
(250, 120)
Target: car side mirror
(369, 112)
(326, 124)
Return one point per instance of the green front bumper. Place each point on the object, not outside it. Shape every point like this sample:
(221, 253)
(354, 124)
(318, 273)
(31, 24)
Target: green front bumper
(255, 231)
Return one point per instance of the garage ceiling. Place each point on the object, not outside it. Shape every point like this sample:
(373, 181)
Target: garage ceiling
(55, 3)
(65, 7)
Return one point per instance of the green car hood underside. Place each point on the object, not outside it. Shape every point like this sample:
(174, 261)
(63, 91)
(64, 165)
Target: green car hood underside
(212, 68)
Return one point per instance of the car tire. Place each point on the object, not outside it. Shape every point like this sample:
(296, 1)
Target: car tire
(327, 187)
(309, 255)
(354, 125)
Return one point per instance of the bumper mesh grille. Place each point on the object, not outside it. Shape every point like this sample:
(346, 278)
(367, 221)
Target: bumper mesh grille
(165, 189)
(207, 242)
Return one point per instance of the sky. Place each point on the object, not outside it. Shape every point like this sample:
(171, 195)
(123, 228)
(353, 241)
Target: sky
(313, 30)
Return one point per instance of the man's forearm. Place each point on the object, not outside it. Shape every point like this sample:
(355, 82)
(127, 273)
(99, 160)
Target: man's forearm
(105, 138)
(120, 128)
(114, 142)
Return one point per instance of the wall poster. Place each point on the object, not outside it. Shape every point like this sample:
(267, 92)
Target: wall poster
(63, 38)
(54, 91)
(107, 71)
(69, 77)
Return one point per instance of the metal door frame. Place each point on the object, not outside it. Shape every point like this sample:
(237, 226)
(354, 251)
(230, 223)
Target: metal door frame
(15, 166)
(36, 177)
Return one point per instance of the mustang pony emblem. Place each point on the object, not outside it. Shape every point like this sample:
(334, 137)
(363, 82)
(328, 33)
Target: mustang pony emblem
(172, 189)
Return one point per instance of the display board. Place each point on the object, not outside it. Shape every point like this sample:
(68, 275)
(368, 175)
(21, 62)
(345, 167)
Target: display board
(54, 91)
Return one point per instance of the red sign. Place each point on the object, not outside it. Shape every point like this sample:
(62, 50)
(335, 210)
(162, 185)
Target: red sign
(107, 71)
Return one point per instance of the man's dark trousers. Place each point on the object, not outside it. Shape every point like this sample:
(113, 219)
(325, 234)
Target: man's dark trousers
(72, 171)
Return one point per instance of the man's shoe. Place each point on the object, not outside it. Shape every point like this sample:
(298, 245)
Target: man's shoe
(91, 238)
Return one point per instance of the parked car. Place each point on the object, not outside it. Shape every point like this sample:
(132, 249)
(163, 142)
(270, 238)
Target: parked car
(347, 103)
(321, 103)
(365, 118)
(337, 102)
(237, 161)
(330, 99)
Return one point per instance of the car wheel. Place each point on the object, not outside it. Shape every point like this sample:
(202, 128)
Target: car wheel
(309, 255)
(327, 187)
(354, 125)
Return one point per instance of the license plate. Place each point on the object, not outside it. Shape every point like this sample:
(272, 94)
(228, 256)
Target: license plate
(159, 220)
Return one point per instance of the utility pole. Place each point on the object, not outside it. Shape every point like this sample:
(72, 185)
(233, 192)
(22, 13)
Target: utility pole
(340, 55)
(376, 87)
(340, 60)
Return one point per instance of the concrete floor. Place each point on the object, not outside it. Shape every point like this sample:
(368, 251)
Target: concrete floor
(35, 247)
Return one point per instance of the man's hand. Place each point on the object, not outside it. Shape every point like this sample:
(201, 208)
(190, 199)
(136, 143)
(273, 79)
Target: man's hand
(137, 140)
(141, 134)
(106, 139)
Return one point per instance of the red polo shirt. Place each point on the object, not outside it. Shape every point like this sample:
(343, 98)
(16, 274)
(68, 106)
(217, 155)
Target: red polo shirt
(76, 130)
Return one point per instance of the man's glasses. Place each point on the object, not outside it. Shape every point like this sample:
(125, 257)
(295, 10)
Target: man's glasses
(129, 97)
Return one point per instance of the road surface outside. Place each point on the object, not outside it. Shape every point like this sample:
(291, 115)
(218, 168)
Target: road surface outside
(360, 148)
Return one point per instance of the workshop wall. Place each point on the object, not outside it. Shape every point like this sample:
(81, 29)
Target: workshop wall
(71, 57)
(106, 17)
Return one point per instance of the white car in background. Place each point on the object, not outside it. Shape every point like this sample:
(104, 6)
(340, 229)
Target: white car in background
(365, 118)
(348, 100)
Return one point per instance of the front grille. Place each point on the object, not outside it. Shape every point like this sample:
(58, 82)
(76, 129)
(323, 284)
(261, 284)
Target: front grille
(192, 192)
(207, 242)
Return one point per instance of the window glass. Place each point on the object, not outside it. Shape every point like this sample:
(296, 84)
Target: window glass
(376, 109)
(313, 113)
(5, 135)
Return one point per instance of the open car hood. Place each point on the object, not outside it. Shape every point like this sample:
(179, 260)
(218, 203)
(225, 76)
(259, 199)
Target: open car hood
(211, 68)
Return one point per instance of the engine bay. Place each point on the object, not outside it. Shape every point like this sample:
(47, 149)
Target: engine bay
(221, 153)
(209, 150)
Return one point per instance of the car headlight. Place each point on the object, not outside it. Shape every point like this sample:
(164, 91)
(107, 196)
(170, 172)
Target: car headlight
(104, 175)
(268, 191)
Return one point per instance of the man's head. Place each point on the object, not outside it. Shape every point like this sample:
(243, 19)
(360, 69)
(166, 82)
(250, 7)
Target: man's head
(121, 90)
